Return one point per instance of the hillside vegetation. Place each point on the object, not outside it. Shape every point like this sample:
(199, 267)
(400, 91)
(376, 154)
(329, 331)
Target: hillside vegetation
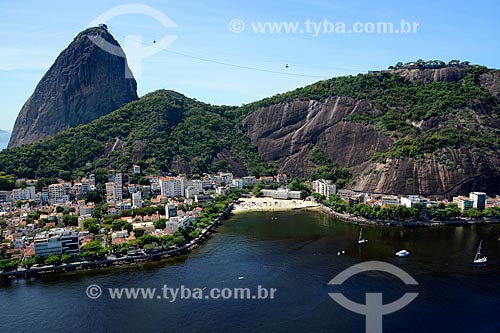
(452, 105)
(156, 131)
(166, 131)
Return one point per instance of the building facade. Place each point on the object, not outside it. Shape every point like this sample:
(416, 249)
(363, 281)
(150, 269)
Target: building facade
(46, 246)
(281, 194)
(137, 200)
(463, 202)
(172, 186)
(390, 200)
(479, 200)
(57, 194)
(324, 187)
(412, 201)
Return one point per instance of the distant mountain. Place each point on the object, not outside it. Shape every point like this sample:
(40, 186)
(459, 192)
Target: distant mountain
(409, 130)
(84, 83)
(4, 139)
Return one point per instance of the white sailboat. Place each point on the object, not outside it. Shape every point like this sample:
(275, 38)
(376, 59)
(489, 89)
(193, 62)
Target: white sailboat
(361, 240)
(479, 258)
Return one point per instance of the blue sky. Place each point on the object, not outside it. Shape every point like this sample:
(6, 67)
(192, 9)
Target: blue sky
(33, 33)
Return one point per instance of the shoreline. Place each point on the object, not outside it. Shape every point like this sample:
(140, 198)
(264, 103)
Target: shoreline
(359, 220)
(269, 204)
(242, 205)
(129, 260)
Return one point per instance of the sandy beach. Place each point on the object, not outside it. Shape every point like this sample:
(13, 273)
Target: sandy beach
(270, 204)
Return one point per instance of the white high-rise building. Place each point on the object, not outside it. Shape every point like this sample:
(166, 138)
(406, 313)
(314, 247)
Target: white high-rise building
(324, 187)
(82, 188)
(196, 184)
(225, 178)
(118, 191)
(479, 199)
(114, 191)
(57, 194)
(27, 193)
(172, 186)
(137, 200)
(110, 189)
(170, 211)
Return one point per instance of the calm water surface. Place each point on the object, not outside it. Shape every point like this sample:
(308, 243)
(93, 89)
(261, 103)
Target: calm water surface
(295, 253)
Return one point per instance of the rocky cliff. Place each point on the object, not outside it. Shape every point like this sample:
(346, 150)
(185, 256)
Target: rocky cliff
(491, 82)
(352, 131)
(84, 83)
(283, 133)
(429, 75)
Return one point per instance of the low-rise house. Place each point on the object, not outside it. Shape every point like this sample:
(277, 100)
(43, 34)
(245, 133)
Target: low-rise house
(281, 178)
(356, 198)
(221, 189)
(345, 194)
(267, 179)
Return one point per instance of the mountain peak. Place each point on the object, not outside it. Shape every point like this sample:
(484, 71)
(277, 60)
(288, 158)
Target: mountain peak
(86, 81)
(101, 30)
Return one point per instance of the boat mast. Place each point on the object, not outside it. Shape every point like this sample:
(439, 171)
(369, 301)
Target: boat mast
(478, 253)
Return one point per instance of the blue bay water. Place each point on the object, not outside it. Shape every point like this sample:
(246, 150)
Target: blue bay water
(295, 252)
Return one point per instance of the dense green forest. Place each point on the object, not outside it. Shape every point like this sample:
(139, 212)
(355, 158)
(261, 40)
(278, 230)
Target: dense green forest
(152, 132)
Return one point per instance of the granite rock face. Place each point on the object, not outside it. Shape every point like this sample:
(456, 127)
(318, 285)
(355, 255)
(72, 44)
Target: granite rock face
(429, 75)
(491, 82)
(84, 83)
(284, 133)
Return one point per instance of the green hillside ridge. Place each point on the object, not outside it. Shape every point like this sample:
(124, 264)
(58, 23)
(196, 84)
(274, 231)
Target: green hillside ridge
(166, 131)
(153, 132)
(455, 107)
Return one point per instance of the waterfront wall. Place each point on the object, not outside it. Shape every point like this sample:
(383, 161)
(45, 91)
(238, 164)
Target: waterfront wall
(392, 223)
